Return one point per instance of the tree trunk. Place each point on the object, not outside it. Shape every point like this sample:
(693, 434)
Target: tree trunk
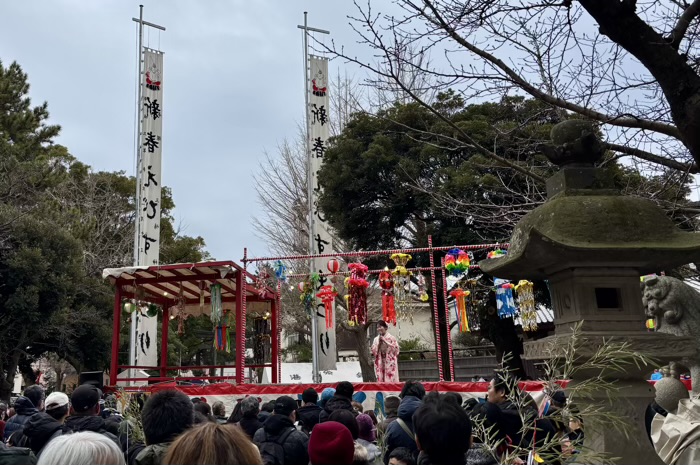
(364, 354)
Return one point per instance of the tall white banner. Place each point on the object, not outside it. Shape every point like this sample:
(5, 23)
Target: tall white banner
(319, 132)
(149, 212)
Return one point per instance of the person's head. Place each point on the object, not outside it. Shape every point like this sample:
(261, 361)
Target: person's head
(357, 406)
(203, 408)
(491, 420)
(365, 428)
(443, 430)
(165, 416)
(344, 389)
(213, 444)
(250, 407)
(3, 411)
(35, 394)
(268, 406)
(391, 405)
(200, 418)
(498, 390)
(361, 456)
(347, 419)
(326, 394)
(85, 400)
(331, 444)
(412, 388)
(382, 328)
(454, 398)
(401, 456)
(86, 448)
(286, 406)
(558, 399)
(309, 396)
(57, 405)
(218, 409)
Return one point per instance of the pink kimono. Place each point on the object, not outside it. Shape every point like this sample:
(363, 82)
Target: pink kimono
(386, 365)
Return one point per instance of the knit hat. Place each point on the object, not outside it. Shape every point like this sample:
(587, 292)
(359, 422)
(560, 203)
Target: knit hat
(331, 442)
(55, 400)
(366, 427)
(85, 397)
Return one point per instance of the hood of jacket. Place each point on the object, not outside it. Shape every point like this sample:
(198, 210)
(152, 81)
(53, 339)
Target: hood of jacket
(86, 423)
(24, 406)
(152, 455)
(338, 403)
(275, 424)
(408, 407)
(40, 428)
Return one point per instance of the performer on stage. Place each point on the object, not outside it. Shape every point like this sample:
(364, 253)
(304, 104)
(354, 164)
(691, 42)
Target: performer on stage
(385, 349)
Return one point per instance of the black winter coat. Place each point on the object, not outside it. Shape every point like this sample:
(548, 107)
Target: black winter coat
(16, 456)
(309, 416)
(250, 425)
(336, 403)
(395, 434)
(296, 445)
(40, 429)
(24, 409)
(78, 423)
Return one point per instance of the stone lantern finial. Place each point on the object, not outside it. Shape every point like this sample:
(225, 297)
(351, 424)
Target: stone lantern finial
(574, 143)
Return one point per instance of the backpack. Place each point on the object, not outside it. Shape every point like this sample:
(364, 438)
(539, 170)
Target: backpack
(272, 452)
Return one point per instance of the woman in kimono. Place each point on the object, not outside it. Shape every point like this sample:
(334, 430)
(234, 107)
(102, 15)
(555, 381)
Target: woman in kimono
(385, 349)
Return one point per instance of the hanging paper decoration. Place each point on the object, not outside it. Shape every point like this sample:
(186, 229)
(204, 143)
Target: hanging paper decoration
(526, 302)
(505, 303)
(422, 293)
(216, 308)
(470, 302)
(357, 283)
(457, 262)
(201, 297)
(280, 271)
(307, 292)
(497, 253)
(327, 295)
(402, 286)
(386, 282)
(651, 324)
(333, 265)
(460, 296)
(261, 282)
(222, 333)
(261, 340)
(181, 311)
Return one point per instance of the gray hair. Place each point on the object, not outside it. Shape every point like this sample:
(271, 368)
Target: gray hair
(86, 448)
(250, 406)
(218, 408)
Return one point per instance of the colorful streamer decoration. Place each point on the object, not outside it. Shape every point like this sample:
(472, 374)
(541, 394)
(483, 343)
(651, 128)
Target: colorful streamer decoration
(497, 253)
(327, 295)
(526, 302)
(386, 282)
(460, 296)
(505, 303)
(402, 286)
(222, 334)
(457, 262)
(306, 288)
(280, 271)
(358, 284)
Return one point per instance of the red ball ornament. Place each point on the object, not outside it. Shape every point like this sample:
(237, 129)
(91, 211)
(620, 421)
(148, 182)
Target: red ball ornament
(301, 286)
(333, 265)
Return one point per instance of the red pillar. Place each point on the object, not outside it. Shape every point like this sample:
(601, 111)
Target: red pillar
(240, 326)
(116, 325)
(164, 329)
(274, 315)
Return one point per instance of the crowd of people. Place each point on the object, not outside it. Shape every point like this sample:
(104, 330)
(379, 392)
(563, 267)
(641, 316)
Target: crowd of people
(415, 428)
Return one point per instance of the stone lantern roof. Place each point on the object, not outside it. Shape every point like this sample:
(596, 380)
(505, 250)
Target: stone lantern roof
(586, 222)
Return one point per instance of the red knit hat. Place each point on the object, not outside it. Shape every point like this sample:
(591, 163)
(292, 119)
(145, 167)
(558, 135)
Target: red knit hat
(331, 443)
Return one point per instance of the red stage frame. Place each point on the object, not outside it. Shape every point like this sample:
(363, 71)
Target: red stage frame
(161, 285)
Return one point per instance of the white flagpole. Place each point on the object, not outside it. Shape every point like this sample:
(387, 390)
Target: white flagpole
(310, 194)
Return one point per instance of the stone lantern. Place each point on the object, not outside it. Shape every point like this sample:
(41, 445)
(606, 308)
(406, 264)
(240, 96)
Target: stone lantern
(592, 244)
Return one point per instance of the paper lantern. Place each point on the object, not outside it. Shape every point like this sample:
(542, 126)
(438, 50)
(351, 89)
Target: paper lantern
(333, 265)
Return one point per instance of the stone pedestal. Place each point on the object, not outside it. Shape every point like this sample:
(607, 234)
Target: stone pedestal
(633, 395)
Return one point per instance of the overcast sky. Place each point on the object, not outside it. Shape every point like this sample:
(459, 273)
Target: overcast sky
(233, 88)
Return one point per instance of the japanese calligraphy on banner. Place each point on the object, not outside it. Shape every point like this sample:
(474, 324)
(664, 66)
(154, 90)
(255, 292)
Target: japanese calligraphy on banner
(151, 145)
(319, 132)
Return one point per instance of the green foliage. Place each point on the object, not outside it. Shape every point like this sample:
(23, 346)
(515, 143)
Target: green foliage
(410, 345)
(60, 224)
(300, 352)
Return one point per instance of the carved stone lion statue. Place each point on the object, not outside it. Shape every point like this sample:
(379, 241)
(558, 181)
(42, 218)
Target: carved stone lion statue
(676, 308)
